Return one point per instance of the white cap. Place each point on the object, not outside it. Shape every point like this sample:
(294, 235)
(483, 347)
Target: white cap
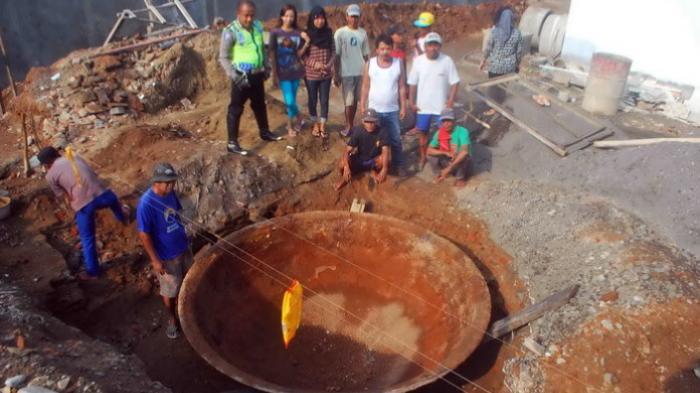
(433, 37)
(353, 10)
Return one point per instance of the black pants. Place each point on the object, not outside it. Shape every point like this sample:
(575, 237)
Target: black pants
(315, 89)
(438, 163)
(256, 93)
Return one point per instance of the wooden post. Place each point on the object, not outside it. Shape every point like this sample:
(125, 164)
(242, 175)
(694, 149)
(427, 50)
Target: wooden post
(37, 140)
(10, 79)
(530, 313)
(25, 152)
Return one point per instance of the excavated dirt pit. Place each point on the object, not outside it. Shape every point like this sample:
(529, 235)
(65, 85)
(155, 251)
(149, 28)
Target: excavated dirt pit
(388, 306)
(124, 309)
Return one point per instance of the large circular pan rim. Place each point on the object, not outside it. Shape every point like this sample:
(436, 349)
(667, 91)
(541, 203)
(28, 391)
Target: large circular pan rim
(208, 255)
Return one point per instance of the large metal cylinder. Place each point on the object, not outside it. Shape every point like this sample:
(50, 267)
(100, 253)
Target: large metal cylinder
(531, 22)
(606, 83)
(388, 306)
(552, 35)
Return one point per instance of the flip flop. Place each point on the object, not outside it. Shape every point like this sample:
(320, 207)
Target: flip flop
(83, 276)
(172, 331)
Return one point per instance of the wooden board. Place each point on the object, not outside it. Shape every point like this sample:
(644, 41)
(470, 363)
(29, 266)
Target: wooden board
(562, 127)
(530, 313)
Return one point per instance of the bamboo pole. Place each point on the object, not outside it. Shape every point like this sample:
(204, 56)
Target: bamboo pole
(25, 151)
(640, 142)
(3, 51)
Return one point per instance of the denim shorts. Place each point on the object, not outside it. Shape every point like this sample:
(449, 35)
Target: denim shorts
(426, 121)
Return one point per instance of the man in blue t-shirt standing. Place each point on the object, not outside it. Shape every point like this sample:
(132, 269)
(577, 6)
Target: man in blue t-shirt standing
(164, 238)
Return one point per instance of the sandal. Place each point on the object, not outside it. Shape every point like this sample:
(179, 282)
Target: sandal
(172, 331)
(316, 130)
(322, 131)
(300, 125)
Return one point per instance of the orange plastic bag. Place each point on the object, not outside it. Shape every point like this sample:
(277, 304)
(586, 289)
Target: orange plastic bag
(291, 311)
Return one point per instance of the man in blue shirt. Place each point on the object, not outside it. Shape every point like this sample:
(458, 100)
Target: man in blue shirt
(164, 238)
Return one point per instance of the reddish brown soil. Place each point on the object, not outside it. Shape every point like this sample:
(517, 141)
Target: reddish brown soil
(632, 352)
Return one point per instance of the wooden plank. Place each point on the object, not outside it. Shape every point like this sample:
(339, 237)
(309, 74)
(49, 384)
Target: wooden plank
(118, 23)
(526, 95)
(493, 81)
(602, 134)
(586, 116)
(530, 313)
(145, 43)
(557, 149)
(185, 14)
(641, 142)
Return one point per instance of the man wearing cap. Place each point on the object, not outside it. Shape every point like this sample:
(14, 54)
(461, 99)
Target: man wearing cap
(164, 238)
(72, 178)
(423, 23)
(368, 150)
(450, 149)
(352, 51)
(433, 82)
(384, 90)
(242, 56)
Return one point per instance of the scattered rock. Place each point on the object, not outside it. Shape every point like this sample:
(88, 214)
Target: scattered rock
(102, 96)
(187, 104)
(63, 383)
(607, 324)
(40, 381)
(106, 63)
(120, 96)
(94, 107)
(610, 296)
(85, 96)
(93, 80)
(75, 81)
(35, 389)
(117, 111)
(609, 379)
(16, 381)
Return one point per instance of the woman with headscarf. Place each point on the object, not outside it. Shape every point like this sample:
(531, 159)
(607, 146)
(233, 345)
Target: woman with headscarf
(319, 59)
(503, 48)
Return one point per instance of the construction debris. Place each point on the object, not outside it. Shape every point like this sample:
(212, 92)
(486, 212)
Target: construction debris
(358, 205)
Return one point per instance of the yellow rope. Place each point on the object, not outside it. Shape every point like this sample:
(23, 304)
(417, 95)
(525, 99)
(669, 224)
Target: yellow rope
(70, 155)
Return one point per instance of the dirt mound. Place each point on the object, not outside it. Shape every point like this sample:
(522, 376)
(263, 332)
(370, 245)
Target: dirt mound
(452, 22)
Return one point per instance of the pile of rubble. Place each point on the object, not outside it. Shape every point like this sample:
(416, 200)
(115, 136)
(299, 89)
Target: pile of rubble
(112, 90)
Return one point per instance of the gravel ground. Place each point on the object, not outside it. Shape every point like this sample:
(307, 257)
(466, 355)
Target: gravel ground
(658, 183)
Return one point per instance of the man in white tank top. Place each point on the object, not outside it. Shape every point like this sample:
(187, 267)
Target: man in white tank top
(384, 90)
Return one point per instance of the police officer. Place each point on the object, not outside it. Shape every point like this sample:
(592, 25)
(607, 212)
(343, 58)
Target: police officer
(242, 55)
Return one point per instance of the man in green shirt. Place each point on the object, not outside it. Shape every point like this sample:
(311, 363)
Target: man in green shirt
(449, 150)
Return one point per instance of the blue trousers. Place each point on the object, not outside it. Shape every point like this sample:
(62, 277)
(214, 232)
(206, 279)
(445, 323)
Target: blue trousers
(85, 218)
(390, 122)
(289, 93)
